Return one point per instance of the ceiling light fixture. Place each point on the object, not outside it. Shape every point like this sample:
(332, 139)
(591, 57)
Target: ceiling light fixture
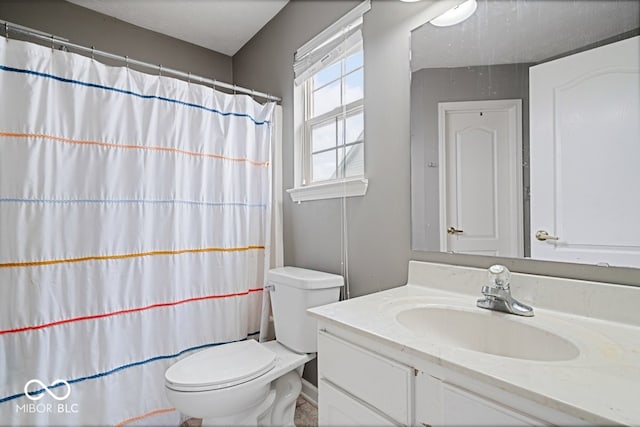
(455, 15)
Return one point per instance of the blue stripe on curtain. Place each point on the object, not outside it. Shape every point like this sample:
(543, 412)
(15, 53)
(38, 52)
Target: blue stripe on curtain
(136, 201)
(128, 92)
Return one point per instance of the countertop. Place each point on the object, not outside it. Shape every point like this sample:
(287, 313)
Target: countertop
(601, 385)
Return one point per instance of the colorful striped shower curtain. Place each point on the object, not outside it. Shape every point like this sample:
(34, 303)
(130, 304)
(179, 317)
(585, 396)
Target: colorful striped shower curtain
(134, 216)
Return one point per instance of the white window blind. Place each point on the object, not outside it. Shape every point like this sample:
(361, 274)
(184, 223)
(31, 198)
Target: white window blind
(330, 45)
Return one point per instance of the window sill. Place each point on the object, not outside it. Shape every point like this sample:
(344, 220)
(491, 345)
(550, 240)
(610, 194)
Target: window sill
(330, 190)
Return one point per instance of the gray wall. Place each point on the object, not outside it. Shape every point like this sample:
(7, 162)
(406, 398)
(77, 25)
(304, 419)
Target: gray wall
(311, 230)
(88, 28)
(379, 222)
(428, 88)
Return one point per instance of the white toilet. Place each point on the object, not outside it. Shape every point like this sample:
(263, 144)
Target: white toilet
(251, 383)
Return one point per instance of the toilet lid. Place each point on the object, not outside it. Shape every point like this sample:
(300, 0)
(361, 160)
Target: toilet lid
(221, 366)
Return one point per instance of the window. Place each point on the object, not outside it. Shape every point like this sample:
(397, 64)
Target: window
(329, 112)
(334, 125)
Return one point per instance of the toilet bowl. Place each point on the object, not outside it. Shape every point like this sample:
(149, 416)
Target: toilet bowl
(232, 384)
(251, 383)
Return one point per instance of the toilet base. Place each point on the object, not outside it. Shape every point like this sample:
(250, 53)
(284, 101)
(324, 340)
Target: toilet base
(277, 409)
(258, 415)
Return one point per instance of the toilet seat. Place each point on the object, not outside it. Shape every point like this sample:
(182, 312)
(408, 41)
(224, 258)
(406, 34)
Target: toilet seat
(221, 367)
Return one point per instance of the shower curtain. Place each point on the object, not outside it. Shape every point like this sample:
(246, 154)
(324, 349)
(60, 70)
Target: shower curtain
(134, 230)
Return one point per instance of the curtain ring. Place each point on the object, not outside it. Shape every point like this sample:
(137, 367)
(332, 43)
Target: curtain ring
(214, 85)
(52, 47)
(93, 50)
(189, 78)
(6, 30)
(160, 70)
(126, 61)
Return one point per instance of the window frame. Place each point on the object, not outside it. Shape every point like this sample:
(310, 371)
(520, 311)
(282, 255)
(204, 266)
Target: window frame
(304, 187)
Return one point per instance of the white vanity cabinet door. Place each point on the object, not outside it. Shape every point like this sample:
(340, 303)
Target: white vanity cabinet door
(428, 395)
(337, 408)
(441, 404)
(462, 408)
(375, 380)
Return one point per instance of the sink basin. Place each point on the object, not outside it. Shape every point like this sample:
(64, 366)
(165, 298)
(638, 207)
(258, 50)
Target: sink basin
(487, 332)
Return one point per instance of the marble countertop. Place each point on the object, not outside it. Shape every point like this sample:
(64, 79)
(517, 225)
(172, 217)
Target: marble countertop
(601, 385)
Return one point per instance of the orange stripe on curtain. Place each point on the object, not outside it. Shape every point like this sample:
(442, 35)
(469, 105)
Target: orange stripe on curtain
(147, 415)
(124, 256)
(131, 147)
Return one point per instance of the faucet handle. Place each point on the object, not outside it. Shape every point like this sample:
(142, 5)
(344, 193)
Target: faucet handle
(499, 276)
(496, 292)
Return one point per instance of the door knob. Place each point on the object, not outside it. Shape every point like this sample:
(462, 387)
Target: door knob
(453, 230)
(543, 235)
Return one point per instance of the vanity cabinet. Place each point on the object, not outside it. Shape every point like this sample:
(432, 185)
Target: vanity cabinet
(362, 382)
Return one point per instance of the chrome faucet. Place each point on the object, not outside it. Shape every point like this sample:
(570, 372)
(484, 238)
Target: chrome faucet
(498, 294)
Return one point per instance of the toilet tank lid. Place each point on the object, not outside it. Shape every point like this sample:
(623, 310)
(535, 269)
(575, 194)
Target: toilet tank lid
(303, 279)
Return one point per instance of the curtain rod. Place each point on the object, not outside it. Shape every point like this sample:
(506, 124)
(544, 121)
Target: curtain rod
(8, 26)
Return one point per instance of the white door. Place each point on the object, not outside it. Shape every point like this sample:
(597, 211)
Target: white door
(585, 156)
(481, 177)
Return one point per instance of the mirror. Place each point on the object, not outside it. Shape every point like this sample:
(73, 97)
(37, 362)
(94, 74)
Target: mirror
(524, 136)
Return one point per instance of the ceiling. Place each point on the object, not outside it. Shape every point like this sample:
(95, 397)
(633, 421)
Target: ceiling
(220, 25)
(521, 31)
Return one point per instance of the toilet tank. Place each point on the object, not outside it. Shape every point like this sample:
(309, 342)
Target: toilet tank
(293, 290)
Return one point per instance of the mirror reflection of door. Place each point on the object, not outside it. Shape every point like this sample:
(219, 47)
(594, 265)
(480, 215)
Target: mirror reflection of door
(488, 57)
(585, 156)
(480, 146)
